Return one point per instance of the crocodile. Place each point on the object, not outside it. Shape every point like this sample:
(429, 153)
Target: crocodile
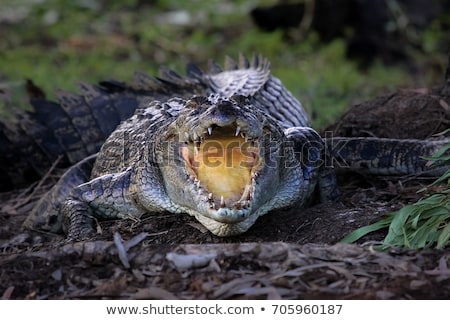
(227, 147)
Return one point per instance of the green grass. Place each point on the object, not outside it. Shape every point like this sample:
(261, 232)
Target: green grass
(423, 224)
(59, 43)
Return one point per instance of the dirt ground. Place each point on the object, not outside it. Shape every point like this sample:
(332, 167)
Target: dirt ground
(289, 254)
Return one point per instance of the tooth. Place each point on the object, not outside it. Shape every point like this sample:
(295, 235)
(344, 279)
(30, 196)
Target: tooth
(246, 193)
(198, 184)
(238, 130)
(196, 151)
(210, 196)
(209, 130)
(222, 202)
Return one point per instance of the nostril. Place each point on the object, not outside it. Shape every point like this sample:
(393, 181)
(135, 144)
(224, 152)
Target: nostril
(224, 105)
(222, 115)
(240, 99)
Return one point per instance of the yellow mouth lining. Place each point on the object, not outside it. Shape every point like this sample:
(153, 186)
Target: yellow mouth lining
(223, 163)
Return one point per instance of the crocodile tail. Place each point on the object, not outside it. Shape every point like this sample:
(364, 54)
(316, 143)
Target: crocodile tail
(77, 124)
(383, 156)
(51, 202)
(69, 130)
(17, 150)
(252, 78)
(243, 77)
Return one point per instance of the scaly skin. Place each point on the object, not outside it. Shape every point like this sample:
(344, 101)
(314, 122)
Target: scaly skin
(154, 173)
(128, 181)
(239, 147)
(77, 125)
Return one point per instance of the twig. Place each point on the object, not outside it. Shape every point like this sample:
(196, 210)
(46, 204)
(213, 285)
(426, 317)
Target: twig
(39, 185)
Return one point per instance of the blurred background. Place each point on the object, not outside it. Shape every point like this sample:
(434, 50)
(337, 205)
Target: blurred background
(330, 53)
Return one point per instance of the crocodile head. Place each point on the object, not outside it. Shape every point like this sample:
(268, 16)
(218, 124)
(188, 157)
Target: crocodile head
(223, 163)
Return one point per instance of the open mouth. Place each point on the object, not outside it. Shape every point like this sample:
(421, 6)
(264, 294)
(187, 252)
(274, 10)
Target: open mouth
(223, 163)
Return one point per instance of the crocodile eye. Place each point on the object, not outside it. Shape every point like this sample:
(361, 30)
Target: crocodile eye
(240, 99)
(195, 102)
(192, 104)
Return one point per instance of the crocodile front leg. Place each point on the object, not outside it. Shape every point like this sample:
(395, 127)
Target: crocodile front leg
(106, 197)
(316, 162)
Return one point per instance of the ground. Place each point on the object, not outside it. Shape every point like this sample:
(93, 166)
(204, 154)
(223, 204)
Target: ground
(288, 254)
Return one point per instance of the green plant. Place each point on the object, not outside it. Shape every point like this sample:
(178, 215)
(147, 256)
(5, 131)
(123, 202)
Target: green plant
(64, 42)
(423, 224)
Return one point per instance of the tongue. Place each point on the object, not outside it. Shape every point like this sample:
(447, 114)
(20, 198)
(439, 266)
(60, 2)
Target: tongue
(224, 166)
(224, 172)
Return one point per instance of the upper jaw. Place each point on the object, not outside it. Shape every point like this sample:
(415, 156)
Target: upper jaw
(206, 129)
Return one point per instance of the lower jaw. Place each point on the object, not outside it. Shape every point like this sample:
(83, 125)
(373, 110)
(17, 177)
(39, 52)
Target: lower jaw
(225, 229)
